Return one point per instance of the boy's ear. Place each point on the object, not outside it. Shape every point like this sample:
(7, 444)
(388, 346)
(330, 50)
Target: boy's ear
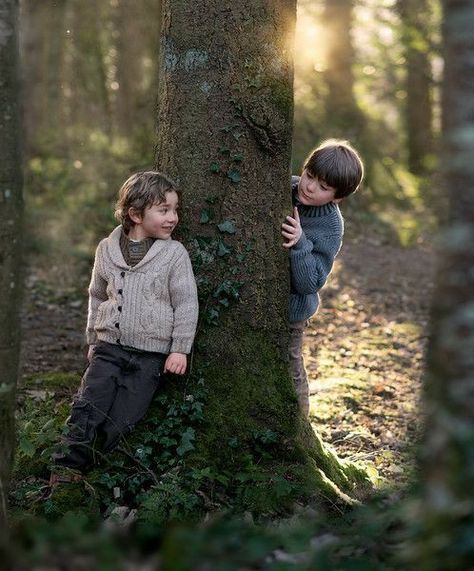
(338, 200)
(134, 215)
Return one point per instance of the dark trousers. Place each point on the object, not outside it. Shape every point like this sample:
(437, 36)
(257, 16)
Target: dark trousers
(115, 393)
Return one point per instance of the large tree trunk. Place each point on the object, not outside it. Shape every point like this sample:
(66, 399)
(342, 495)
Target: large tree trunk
(225, 126)
(11, 207)
(447, 511)
(418, 106)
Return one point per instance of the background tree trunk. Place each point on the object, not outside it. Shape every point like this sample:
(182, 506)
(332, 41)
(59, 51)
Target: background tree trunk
(447, 511)
(43, 73)
(418, 107)
(11, 207)
(341, 106)
(89, 79)
(129, 48)
(225, 126)
(137, 48)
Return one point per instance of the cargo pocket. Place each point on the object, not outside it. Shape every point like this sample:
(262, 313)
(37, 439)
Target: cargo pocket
(78, 423)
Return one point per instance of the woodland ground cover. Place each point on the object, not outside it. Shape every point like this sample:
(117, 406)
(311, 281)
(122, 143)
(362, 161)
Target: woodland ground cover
(364, 352)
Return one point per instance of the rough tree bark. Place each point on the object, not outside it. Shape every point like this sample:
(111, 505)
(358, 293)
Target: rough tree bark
(418, 107)
(224, 133)
(447, 512)
(11, 207)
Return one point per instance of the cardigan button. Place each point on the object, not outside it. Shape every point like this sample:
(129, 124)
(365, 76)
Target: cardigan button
(117, 325)
(122, 274)
(120, 291)
(119, 308)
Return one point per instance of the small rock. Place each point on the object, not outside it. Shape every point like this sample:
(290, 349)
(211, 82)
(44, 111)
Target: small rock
(323, 540)
(120, 518)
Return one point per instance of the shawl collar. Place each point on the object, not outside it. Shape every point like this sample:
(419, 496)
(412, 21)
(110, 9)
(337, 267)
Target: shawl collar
(115, 253)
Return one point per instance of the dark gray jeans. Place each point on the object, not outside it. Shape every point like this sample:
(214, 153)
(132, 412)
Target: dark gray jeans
(115, 393)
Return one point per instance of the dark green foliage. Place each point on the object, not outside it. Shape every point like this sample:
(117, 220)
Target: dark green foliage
(168, 468)
(446, 536)
(74, 540)
(364, 540)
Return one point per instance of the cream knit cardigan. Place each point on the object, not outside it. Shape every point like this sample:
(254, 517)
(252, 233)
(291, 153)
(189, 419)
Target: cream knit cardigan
(151, 306)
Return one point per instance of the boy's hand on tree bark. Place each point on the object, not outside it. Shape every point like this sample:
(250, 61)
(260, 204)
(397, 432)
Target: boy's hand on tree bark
(291, 229)
(176, 363)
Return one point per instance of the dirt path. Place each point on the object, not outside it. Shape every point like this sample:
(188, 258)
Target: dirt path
(365, 352)
(364, 349)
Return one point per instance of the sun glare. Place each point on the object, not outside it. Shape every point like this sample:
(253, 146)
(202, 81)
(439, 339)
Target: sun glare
(309, 42)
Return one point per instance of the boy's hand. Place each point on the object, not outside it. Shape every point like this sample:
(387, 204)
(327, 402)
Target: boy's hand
(176, 363)
(291, 230)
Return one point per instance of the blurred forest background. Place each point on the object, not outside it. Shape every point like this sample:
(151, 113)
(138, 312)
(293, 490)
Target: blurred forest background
(365, 70)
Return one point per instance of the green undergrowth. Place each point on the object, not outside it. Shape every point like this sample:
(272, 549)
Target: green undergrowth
(224, 439)
(369, 537)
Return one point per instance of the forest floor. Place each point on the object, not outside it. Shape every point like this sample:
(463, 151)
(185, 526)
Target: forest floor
(364, 349)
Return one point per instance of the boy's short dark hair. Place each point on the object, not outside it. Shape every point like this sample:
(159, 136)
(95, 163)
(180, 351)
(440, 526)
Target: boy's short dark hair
(141, 190)
(337, 163)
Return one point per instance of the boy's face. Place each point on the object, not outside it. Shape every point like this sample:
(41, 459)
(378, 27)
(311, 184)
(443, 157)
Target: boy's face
(313, 191)
(158, 221)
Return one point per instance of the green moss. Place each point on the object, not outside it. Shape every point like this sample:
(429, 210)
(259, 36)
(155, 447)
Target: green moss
(281, 95)
(253, 431)
(52, 381)
(77, 498)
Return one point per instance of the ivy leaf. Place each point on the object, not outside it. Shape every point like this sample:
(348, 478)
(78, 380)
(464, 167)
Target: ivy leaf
(215, 167)
(223, 249)
(186, 442)
(27, 447)
(227, 226)
(212, 315)
(234, 175)
(205, 216)
(238, 157)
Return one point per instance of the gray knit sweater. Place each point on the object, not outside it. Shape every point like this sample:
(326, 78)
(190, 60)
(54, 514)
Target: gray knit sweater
(312, 257)
(151, 306)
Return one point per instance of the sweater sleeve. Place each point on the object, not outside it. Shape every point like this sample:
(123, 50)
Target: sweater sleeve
(311, 263)
(184, 300)
(97, 295)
